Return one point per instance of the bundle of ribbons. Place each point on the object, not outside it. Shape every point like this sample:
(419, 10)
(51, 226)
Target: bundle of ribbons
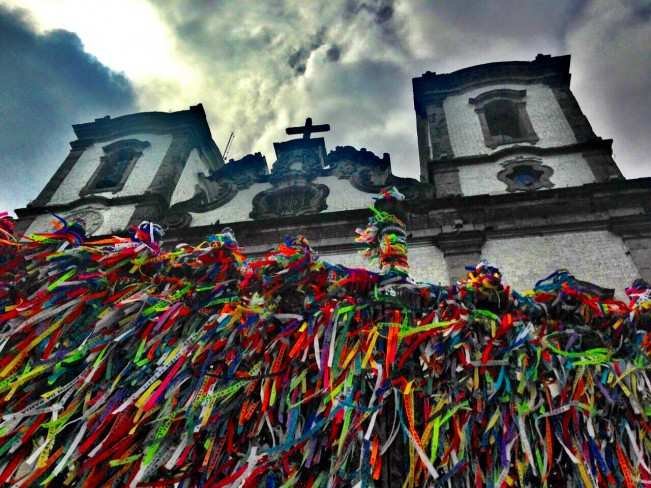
(385, 237)
(123, 363)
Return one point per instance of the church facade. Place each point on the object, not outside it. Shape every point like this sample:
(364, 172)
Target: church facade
(511, 172)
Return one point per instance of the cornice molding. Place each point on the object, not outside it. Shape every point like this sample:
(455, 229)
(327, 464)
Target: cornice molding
(192, 121)
(432, 88)
(91, 199)
(596, 206)
(590, 190)
(596, 144)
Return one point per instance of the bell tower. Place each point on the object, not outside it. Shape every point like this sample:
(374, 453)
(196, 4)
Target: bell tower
(123, 170)
(506, 127)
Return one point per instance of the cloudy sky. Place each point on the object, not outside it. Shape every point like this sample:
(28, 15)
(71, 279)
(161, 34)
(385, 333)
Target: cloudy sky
(259, 66)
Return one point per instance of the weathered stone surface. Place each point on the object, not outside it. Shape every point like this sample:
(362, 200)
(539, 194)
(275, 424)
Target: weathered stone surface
(596, 256)
(446, 181)
(566, 170)
(547, 119)
(570, 107)
(602, 165)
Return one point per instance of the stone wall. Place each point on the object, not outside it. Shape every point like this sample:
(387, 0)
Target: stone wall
(426, 263)
(115, 219)
(351, 259)
(481, 178)
(543, 109)
(599, 257)
(138, 181)
(343, 195)
(237, 210)
(640, 248)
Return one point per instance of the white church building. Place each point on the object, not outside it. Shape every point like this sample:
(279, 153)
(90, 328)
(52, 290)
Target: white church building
(511, 171)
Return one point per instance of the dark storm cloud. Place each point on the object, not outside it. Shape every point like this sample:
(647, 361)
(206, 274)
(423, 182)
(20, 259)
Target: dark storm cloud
(384, 14)
(514, 19)
(382, 10)
(370, 81)
(350, 63)
(298, 59)
(268, 65)
(47, 82)
(333, 53)
(381, 13)
(361, 124)
(612, 78)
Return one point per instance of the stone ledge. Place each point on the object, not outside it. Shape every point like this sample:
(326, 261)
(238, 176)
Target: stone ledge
(593, 146)
(31, 211)
(618, 206)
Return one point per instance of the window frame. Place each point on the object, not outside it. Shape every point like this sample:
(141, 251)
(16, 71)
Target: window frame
(510, 167)
(518, 99)
(109, 150)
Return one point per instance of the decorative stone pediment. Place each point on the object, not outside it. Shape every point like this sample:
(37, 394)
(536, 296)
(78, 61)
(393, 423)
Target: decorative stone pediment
(244, 172)
(289, 201)
(370, 174)
(346, 161)
(295, 189)
(299, 161)
(219, 188)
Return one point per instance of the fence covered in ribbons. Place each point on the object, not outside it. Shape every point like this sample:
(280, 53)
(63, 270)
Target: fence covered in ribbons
(122, 364)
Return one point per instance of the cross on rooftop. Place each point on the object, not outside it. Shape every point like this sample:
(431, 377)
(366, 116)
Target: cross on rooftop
(308, 128)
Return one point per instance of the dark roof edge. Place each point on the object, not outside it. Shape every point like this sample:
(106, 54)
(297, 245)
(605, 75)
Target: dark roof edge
(193, 119)
(543, 66)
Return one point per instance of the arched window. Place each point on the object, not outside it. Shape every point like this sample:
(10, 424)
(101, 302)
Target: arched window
(115, 166)
(503, 117)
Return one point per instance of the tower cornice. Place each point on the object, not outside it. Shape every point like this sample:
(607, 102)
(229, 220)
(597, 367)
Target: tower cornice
(433, 87)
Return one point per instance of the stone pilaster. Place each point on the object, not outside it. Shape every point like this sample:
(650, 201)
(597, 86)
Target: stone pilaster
(165, 180)
(433, 137)
(570, 107)
(446, 180)
(461, 249)
(43, 198)
(438, 131)
(637, 238)
(424, 150)
(602, 165)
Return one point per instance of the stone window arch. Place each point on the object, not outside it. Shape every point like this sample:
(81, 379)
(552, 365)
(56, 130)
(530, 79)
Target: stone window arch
(115, 166)
(503, 117)
(525, 174)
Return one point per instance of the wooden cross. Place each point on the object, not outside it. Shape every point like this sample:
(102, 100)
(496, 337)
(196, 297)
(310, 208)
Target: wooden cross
(308, 128)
